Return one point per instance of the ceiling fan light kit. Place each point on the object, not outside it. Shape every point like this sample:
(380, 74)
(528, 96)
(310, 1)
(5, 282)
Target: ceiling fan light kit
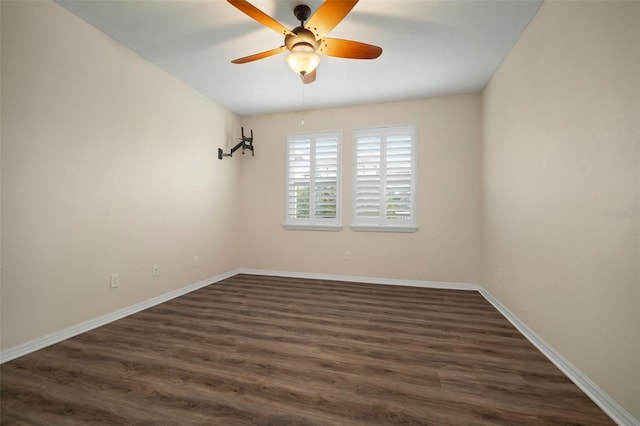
(307, 40)
(303, 59)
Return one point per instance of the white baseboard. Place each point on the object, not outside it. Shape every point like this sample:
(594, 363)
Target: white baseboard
(59, 336)
(593, 391)
(360, 279)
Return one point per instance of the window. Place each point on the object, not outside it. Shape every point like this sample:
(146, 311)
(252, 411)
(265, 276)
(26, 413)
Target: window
(384, 170)
(313, 181)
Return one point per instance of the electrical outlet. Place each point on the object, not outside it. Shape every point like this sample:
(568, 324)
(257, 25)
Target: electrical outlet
(155, 271)
(347, 255)
(115, 280)
(196, 261)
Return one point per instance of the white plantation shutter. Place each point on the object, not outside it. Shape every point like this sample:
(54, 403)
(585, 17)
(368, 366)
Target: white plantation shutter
(384, 179)
(299, 172)
(368, 178)
(313, 181)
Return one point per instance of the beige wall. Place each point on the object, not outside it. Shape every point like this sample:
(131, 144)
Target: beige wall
(446, 245)
(109, 165)
(561, 187)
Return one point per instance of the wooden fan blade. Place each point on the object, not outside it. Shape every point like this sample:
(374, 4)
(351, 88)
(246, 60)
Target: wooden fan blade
(328, 15)
(309, 78)
(255, 13)
(260, 55)
(341, 48)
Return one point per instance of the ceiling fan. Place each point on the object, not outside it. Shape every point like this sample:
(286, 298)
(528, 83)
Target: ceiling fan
(307, 40)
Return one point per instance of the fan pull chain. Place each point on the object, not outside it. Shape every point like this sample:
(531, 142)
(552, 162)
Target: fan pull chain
(302, 119)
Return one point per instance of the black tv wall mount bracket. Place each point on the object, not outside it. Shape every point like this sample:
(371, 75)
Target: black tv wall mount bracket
(246, 142)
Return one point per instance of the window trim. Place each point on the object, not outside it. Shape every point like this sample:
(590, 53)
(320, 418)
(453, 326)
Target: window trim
(383, 224)
(384, 228)
(313, 223)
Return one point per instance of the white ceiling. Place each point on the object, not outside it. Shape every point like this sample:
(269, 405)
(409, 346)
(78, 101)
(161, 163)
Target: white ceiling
(430, 48)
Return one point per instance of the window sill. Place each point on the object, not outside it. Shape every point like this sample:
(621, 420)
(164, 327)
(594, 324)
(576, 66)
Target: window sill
(332, 228)
(373, 228)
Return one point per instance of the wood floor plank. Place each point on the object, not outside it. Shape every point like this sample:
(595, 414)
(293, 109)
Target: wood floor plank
(262, 350)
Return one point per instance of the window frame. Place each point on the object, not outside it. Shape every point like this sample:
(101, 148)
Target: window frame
(314, 223)
(382, 223)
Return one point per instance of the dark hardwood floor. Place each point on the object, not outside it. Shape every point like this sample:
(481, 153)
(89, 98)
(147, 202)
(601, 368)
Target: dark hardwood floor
(257, 350)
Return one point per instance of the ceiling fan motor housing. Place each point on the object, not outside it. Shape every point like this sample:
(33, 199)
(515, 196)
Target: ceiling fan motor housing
(301, 36)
